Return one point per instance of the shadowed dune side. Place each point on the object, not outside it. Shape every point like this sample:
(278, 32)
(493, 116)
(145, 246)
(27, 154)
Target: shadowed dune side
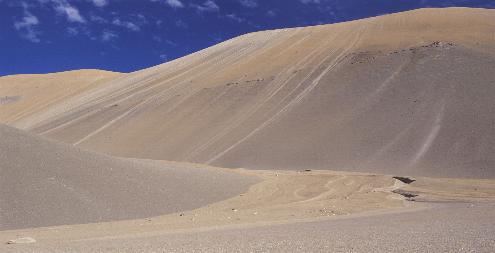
(408, 93)
(44, 183)
(24, 95)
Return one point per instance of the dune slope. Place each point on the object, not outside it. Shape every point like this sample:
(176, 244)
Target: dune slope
(44, 183)
(407, 93)
(26, 95)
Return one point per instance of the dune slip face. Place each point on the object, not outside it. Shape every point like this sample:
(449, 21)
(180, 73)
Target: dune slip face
(407, 93)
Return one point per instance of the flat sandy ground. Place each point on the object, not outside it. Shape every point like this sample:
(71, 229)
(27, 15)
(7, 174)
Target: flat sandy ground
(271, 212)
(459, 227)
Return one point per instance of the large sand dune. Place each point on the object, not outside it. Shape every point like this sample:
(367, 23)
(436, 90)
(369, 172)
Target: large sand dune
(44, 183)
(408, 93)
(23, 96)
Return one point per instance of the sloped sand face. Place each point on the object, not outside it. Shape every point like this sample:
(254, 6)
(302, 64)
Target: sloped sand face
(44, 183)
(408, 93)
(24, 96)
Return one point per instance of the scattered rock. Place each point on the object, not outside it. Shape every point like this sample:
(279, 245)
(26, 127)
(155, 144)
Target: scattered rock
(181, 214)
(234, 210)
(22, 240)
(409, 195)
(406, 180)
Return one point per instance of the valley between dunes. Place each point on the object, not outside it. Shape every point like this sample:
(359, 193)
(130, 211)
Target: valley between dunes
(386, 121)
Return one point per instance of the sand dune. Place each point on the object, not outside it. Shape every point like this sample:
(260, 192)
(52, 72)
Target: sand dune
(408, 93)
(44, 183)
(23, 96)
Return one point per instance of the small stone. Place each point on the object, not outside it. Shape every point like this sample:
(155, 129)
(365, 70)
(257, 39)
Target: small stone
(22, 240)
(181, 214)
(235, 210)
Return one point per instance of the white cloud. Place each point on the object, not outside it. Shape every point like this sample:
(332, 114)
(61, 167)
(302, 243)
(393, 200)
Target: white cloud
(174, 3)
(248, 3)
(72, 31)
(181, 24)
(235, 18)
(208, 6)
(108, 35)
(100, 3)
(98, 19)
(71, 12)
(127, 24)
(27, 27)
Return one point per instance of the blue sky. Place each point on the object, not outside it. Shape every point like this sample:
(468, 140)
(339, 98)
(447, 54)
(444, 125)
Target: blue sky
(40, 36)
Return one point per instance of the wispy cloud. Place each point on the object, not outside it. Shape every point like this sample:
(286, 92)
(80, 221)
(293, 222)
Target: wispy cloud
(98, 19)
(174, 3)
(208, 6)
(72, 31)
(108, 35)
(235, 17)
(127, 24)
(310, 1)
(71, 12)
(27, 25)
(99, 3)
(248, 3)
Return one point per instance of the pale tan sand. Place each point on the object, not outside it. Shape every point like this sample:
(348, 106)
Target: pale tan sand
(32, 94)
(409, 93)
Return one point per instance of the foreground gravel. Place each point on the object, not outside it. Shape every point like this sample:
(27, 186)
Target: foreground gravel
(447, 227)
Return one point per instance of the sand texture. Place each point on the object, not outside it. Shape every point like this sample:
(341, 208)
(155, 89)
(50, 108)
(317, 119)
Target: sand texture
(23, 96)
(44, 183)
